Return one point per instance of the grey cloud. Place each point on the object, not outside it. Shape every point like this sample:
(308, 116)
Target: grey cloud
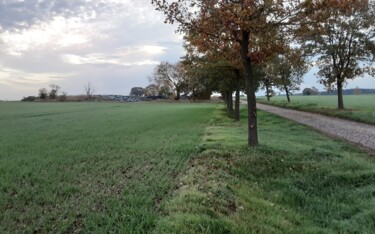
(24, 14)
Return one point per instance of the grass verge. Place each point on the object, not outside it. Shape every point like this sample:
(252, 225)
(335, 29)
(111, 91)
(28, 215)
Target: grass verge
(296, 181)
(359, 108)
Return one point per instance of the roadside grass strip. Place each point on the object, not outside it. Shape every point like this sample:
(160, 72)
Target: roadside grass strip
(359, 108)
(296, 181)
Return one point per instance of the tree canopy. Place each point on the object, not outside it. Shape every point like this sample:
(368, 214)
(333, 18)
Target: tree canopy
(341, 35)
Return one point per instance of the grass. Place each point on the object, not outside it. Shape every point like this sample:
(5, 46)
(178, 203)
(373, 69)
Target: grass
(92, 167)
(296, 181)
(358, 107)
(175, 168)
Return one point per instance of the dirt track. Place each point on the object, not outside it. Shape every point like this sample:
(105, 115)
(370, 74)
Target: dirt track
(358, 133)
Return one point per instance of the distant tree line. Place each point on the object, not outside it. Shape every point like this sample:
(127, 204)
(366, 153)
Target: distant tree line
(55, 94)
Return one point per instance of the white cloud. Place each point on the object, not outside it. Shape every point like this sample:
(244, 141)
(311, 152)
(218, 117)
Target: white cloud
(18, 77)
(124, 56)
(57, 34)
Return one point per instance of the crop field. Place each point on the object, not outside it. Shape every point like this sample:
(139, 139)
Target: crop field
(93, 167)
(175, 168)
(357, 107)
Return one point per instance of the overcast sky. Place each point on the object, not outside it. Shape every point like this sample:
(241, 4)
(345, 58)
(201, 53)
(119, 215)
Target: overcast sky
(114, 44)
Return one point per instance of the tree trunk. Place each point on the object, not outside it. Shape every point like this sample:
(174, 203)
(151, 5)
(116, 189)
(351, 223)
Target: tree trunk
(287, 92)
(268, 92)
(230, 103)
(339, 95)
(224, 94)
(251, 99)
(227, 100)
(237, 102)
(177, 94)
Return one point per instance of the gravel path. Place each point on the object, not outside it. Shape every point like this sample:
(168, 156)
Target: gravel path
(358, 133)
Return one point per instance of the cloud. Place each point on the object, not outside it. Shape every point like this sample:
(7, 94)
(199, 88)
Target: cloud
(19, 77)
(57, 34)
(125, 56)
(113, 43)
(20, 14)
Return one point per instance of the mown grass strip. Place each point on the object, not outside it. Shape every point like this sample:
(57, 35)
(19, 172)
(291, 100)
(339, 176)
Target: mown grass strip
(359, 108)
(296, 181)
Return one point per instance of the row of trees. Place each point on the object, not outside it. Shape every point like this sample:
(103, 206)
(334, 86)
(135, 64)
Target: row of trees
(173, 80)
(51, 94)
(55, 93)
(150, 90)
(267, 42)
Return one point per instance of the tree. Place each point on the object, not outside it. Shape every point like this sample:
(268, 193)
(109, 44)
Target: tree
(43, 93)
(357, 91)
(151, 90)
(172, 76)
(137, 91)
(89, 90)
(63, 97)
(342, 37)
(54, 91)
(310, 91)
(243, 23)
(288, 70)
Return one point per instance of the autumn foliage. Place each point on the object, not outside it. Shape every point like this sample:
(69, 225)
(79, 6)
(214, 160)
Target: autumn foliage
(245, 33)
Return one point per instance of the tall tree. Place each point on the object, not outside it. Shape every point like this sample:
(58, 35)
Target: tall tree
(54, 91)
(89, 90)
(342, 38)
(240, 22)
(137, 91)
(220, 57)
(151, 90)
(287, 70)
(172, 76)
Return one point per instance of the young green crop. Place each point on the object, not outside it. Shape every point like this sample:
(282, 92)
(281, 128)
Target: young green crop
(175, 168)
(92, 167)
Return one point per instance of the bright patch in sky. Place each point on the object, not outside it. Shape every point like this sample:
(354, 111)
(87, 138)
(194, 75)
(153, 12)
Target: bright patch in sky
(57, 34)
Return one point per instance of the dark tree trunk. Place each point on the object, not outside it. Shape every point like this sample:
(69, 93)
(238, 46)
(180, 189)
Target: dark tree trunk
(177, 94)
(251, 99)
(287, 93)
(230, 103)
(339, 95)
(227, 101)
(237, 102)
(224, 94)
(268, 92)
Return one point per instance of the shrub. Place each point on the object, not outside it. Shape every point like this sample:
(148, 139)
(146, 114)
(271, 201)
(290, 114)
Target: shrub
(28, 99)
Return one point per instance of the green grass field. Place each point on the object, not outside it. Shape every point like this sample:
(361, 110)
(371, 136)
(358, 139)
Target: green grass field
(92, 167)
(357, 107)
(296, 181)
(175, 168)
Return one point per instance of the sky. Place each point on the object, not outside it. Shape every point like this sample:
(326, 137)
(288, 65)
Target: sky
(113, 44)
